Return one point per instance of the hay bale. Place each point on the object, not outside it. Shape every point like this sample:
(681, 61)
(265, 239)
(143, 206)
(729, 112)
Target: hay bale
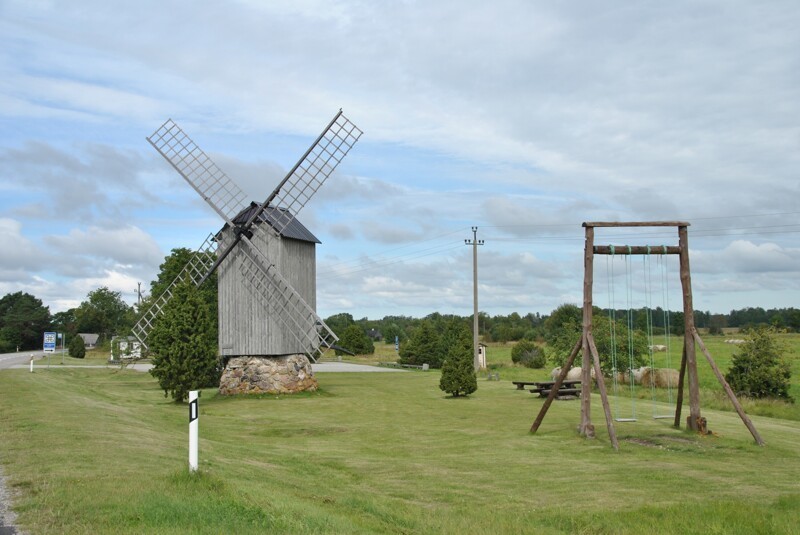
(660, 377)
(573, 374)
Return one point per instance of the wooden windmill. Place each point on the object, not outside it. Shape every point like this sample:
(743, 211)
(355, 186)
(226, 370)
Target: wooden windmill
(264, 256)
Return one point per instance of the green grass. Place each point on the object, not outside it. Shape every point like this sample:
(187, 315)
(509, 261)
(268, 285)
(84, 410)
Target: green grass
(102, 451)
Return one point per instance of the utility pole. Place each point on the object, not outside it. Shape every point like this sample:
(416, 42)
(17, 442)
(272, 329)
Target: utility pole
(139, 292)
(474, 242)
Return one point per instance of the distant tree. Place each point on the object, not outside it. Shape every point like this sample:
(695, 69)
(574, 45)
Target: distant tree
(104, 313)
(183, 342)
(76, 347)
(339, 322)
(64, 322)
(423, 347)
(759, 368)
(23, 321)
(392, 330)
(458, 372)
(354, 339)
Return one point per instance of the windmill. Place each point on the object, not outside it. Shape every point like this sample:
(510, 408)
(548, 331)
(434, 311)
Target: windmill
(265, 275)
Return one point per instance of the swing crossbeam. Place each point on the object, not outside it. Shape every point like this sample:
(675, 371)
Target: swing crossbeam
(636, 249)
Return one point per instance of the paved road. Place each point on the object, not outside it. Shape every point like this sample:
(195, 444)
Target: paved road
(319, 367)
(7, 360)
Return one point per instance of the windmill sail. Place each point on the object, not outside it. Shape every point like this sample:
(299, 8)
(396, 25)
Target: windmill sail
(304, 179)
(221, 193)
(197, 266)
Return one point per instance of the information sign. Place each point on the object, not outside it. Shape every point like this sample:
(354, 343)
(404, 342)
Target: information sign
(49, 342)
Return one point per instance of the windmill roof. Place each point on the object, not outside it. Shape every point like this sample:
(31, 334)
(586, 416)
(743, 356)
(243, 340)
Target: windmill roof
(294, 230)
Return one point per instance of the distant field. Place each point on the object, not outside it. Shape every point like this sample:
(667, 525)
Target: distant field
(102, 451)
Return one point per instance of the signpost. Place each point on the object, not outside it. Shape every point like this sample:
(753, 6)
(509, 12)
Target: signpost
(49, 342)
(194, 413)
(49, 345)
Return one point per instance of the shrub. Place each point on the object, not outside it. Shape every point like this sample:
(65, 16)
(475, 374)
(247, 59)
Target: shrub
(355, 340)
(759, 368)
(527, 353)
(76, 347)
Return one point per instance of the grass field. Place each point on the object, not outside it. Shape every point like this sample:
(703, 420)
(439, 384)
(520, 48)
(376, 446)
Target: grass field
(102, 451)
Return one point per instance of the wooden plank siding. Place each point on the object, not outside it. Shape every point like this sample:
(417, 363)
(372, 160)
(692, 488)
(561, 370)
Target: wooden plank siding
(246, 325)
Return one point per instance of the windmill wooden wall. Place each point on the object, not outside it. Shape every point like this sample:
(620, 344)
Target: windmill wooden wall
(246, 325)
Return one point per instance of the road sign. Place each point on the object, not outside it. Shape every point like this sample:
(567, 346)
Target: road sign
(49, 342)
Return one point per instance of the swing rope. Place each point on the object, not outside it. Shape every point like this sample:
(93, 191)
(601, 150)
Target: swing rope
(648, 287)
(667, 326)
(629, 292)
(612, 313)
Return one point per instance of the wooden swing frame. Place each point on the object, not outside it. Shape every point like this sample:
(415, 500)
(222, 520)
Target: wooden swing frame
(691, 339)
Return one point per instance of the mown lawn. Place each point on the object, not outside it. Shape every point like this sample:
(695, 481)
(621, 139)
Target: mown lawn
(102, 451)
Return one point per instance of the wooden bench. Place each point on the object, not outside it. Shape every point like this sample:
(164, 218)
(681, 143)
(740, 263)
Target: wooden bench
(522, 384)
(568, 389)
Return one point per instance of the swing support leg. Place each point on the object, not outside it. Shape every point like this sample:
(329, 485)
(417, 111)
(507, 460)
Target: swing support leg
(554, 389)
(736, 405)
(679, 401)
(601, 385)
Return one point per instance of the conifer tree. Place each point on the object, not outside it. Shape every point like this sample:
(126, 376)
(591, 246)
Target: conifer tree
(76, 347)
(458, 372)
(184, 344)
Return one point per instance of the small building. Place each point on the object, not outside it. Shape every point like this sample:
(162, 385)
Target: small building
(481, 356)
(249, 324)
(125, 347)
(375, 334)
(89, 339)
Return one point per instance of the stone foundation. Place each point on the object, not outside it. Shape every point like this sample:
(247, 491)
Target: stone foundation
(267, 375)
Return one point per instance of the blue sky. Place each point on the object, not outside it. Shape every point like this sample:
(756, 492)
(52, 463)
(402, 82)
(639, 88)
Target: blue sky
(522, 118)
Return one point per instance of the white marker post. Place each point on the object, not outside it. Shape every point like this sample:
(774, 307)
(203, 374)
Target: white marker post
(31, 362)
(194, 413)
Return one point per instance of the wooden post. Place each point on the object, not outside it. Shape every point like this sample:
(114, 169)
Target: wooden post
(728, 390)
(693, 422)
(554, 389)
(601, 385)
(679, 401)
(586, 428)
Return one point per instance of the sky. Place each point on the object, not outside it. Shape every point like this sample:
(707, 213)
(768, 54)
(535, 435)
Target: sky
(521, 118)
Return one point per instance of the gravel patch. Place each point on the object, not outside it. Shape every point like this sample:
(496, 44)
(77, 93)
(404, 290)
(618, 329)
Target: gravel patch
(7, 516)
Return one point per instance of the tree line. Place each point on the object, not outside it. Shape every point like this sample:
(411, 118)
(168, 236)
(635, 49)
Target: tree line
(23, 317)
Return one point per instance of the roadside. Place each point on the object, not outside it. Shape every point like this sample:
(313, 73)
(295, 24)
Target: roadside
(7, 516)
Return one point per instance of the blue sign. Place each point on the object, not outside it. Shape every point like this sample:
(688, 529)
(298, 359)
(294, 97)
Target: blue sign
(49, 342)
(396, 343)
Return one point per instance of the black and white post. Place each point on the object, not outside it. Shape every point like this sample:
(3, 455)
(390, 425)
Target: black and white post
(194, 413)
(475, 242)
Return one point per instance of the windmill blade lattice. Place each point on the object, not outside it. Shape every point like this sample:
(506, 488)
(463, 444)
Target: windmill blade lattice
(273, 291)
(198, 265)
(194, 165)
(308, 174)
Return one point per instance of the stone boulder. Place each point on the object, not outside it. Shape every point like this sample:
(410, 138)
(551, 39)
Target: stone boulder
(285, 374)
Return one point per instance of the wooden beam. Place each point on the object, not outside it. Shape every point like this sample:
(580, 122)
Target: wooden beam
(612, 224)
(554, 389)
(728, 390)
(679, 402)
(586, 428)
(637, 249)
(688, 326)
(601, 385)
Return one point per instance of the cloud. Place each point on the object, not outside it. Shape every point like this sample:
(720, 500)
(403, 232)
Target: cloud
(747, 258)
(20, 255)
